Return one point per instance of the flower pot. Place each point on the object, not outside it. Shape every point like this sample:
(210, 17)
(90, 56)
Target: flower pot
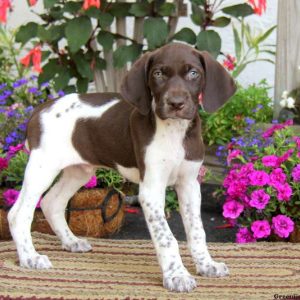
(295, 236)
(92, 212)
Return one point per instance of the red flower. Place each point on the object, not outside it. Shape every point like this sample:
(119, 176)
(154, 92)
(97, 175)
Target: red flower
(88, 3)
(4, 6)
(32, 2)
(36, 56)
(229, 62)
(259, 6)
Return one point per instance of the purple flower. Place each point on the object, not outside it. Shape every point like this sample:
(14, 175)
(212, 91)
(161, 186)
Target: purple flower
(259, 178)
(260, 229)
(249, 121)
(277, 177)
(282, 225)
(61, 93)
(3, 163)
(28, 109)
(296, 173)
(11, 196)
(91, 183)
(284, 192)
(19, 82)
(259, 199)
(244, 236)
(45, 84)
(33, 90)
(270, 161)
(232, 209)
(3, 85)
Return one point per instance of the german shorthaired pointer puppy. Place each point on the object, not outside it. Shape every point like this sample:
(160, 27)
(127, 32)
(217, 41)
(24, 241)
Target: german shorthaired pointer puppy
(151, 134)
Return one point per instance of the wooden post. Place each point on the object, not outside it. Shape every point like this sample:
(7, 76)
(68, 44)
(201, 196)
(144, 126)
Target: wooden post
(287, 73)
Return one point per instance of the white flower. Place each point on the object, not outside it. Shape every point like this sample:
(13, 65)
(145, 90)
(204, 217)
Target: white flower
(284, 94)
(290, 102)
(282, 103)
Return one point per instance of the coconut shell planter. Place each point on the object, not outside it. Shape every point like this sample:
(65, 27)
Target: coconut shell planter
(90, 212)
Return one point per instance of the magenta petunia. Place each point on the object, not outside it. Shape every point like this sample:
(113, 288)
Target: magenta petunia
(10, 196)
(270, 161)
(244, 236)
(232, 209)
(3, 163)
(233, 154)
(282, 225)
(259, 178)
(277, 177)
(236, 189)
(91, 183)
(285, 156)
(284, 192)
(296, 173)
(259, 199)
(261, 229)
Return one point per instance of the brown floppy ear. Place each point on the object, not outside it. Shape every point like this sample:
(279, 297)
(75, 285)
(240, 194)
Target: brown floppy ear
(134, 87)
(219, 85)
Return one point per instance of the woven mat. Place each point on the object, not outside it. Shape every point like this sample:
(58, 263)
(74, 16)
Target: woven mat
(127, 269)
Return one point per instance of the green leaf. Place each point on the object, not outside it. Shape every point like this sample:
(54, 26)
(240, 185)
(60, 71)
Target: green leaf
(78, 32)
(70, 89)
(43, 34)
(221, 22)
(166, 9)
(26, 32)
(119, 9)
(93, 12)
(100, 63)
(82, 85)
(156, 32)
(83, 66)
(126, 54)
(266, 34)
(197, 15)
(210, 41)
(239, 10)
(140, 9)
(105, 20)
(186, 35)
(57, 32)
(62, 80)
(49, 70)
(198, 2)
(105, 39)
(237, 43)
(72, 7)
(49, 3)
(56, 12)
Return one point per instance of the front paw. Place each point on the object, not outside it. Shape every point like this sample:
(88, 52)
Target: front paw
(180, 282)
(78, 245)
(213, 269)
(36, 261)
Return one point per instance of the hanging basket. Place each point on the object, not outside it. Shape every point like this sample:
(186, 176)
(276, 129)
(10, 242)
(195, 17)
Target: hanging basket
(93, 212)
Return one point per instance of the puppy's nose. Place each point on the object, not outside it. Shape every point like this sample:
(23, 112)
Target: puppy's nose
(177, 103)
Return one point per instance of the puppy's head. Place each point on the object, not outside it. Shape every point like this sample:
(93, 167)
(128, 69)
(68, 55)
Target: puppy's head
(171, 79)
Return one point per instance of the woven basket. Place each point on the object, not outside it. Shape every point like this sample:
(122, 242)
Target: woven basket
(93, 212)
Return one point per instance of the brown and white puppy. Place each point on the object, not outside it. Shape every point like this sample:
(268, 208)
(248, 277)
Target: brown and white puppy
(152, 138)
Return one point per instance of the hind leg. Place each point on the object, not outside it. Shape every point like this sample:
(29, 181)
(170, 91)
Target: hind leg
(56, 200)
(39, 175)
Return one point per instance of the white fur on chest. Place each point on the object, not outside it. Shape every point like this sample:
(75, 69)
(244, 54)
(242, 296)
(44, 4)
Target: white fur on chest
(165, 152)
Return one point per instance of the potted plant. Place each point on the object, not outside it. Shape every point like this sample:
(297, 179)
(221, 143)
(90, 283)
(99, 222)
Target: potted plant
(262, 185)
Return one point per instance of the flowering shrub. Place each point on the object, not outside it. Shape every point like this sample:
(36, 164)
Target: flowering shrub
(262, 186)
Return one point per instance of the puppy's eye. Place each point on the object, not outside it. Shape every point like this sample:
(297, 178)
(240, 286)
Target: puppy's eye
(157, 74)
(192, 74)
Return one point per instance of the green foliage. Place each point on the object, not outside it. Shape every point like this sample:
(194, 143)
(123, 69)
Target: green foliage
(110, 178)
(75, 41)
(14, 173)
(229, 121)
(171, 200)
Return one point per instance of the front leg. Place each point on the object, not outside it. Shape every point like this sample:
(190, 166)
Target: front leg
(175, 276)
(188, 191)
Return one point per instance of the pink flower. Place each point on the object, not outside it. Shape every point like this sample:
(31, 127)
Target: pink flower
(244, 236)
(296, 173)
(259, 6)
(233, 154)
(259, 199)
(236, 189)
(3, 163)
(232, 209)
(13, 150)
(282, 225)
(269, 132)
(284, 192)
(32, 2)
(277, 177)
(259, 178)
(297, 140)
(285, 156)
(270, 161)
(260, 229)
(10, 196)
(91, 183)
(201, 175)
(229, 62)
(4, 6)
